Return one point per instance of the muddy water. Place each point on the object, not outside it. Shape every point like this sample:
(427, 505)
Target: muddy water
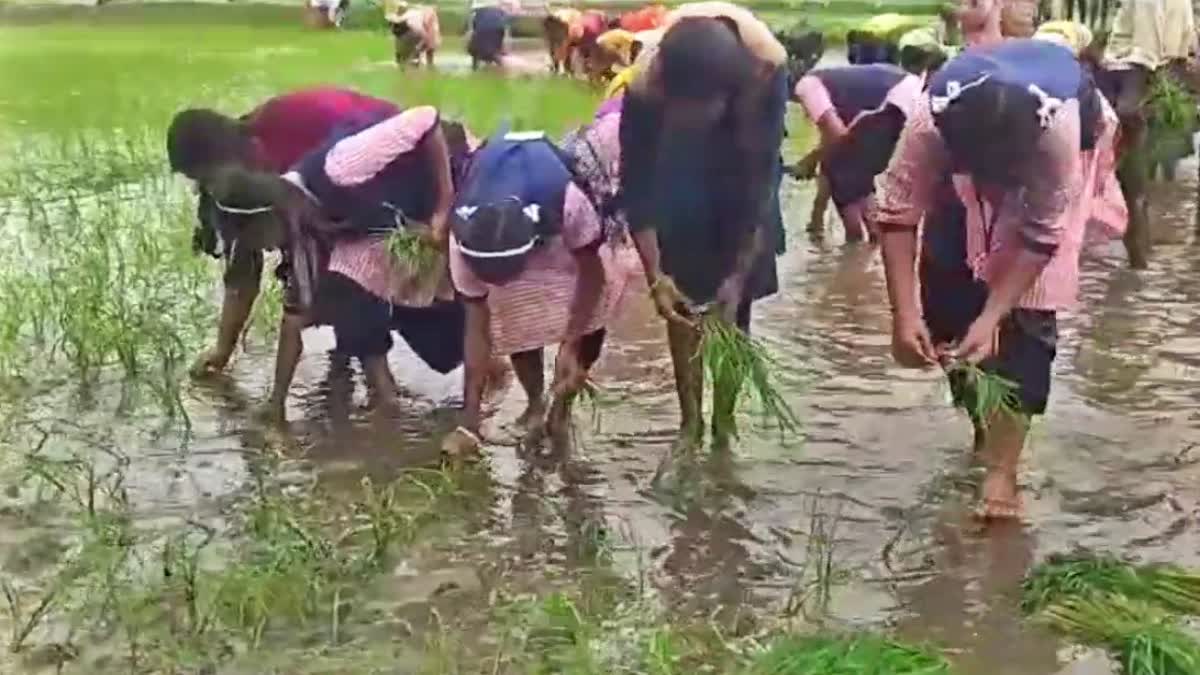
(883, 469)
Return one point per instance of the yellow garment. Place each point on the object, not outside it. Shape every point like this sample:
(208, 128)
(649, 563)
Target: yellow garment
(1070, 34)
(621, 81)
(892, 26)
(1150, 33)
(929, 38)
(618, 42)
(755, 34)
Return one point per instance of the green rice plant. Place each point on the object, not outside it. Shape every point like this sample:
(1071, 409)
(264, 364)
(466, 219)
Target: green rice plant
(984, 394)
(1170, 587)
(1144, 639)
(1171, 118)
(739, 361)
(848, 655)
(1169, 104)
(415, 252)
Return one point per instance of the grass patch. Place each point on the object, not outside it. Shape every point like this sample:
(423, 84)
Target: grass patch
(851, 655)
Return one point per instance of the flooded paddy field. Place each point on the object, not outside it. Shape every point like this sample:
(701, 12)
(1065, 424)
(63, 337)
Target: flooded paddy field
(150, 522)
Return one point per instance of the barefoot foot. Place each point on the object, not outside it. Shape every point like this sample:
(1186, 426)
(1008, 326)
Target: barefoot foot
(999, 497)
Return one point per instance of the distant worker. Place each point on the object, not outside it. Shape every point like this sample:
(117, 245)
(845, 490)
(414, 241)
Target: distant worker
(326, 13)
(416, 30)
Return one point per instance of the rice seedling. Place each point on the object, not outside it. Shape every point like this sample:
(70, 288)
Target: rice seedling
(1170, 115)
(849, 655)
(1170, 587)
(739, 362)
(984, 394)
(415, 252)
(1144, 639)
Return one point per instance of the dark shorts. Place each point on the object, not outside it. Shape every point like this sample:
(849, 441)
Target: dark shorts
(952, 299)
(363, 324)
(489, 26)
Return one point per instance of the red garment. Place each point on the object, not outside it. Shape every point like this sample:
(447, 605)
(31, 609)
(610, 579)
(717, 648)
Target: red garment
(594, 24)
(646, 18)
(286, 127)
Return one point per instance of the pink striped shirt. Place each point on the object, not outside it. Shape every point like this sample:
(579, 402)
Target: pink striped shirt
(1071, 189)
(814, 98)
(356, 159)
(369, 263)
(533, 310)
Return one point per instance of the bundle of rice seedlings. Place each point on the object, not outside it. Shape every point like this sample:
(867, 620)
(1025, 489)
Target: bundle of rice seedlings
(1170, 105)
(414, 251)
(735, 358)
(1169, 587)
(849, 655)
(986, 394)
(1145, 639)
(1170, 118)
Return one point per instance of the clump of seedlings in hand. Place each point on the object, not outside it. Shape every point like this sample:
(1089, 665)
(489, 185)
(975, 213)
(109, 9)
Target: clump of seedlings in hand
(985, 394)
(739, 361)
(412, 249)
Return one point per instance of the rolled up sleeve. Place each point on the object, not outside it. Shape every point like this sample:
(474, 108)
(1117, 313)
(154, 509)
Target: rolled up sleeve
(1052, 179)
(904, 191)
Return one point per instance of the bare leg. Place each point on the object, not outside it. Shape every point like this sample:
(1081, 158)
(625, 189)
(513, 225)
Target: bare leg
(1002, 445)
(429, 58)
(287, 356)
(689, 383)
(816, 222)
(385, 396)
(240, 294)
(529, 369)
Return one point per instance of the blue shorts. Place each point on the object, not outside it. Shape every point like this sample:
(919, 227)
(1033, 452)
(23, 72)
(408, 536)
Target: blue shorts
(952, 299)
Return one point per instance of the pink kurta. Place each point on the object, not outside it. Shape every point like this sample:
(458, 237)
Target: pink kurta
(1080, 188)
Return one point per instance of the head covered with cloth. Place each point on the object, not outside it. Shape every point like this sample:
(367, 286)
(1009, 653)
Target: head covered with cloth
(510, 202)
(700, 135)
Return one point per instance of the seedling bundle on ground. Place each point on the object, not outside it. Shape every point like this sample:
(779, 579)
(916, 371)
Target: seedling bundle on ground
(1136, 612)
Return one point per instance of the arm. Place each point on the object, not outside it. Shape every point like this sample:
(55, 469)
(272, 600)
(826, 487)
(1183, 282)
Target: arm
(904, 193)
(639, 132)
(477, 351)
(583, 234)
(243, 275)
(438, 154)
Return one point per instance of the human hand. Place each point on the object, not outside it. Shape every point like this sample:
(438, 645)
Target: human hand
(462, 443)
(668, 299)
(729, 298)
(981, 341)
(805, 169)
(569, 373)
(209, 363)
(912, 347)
